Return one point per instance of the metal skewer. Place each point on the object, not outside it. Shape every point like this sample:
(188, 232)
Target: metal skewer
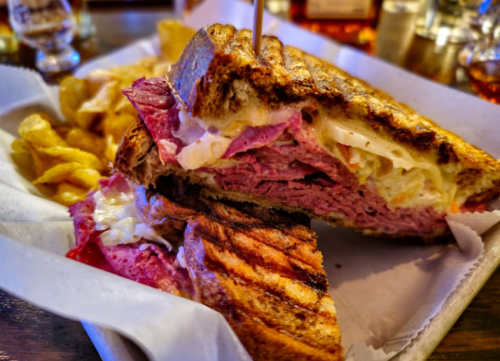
(258, 7)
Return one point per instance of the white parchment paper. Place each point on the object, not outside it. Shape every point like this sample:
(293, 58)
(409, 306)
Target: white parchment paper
(385, 291)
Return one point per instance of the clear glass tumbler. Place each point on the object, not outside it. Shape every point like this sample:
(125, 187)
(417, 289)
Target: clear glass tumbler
(442, 21)
(48, 26)
(482, 17)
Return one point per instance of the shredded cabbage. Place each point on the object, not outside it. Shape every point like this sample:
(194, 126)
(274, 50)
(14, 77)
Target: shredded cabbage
(117, 216)
(401, 178)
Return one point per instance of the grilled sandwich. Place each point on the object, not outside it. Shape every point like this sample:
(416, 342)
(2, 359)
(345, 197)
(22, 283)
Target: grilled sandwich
(289, 131)
(259, 268)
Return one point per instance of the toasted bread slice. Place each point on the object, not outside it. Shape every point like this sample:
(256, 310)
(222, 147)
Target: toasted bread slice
(261, 269)
(290, 131)
(272, 300)
(284, 75)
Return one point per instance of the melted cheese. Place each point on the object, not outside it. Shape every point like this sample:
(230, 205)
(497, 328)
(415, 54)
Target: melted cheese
(205, 151)
(207, 140)
(117, 216)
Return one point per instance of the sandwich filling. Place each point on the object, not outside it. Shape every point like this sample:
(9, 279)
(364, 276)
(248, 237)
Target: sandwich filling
(303, 155)
(111, 236)
(259, 268)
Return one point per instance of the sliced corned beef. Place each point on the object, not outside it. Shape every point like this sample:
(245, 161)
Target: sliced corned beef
(333, 188)
(284, 162)
(156, 105)
(255, 137)
(144, 262)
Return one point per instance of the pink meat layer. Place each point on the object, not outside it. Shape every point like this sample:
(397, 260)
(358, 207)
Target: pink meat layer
(156, 104)
(144, 262)
(285, 163)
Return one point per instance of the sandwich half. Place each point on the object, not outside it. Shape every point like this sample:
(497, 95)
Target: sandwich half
(259, 268)
(289, 131)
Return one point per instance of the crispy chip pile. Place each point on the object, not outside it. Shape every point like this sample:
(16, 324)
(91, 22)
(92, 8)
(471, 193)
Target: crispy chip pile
(96, 105)
(71, 172)
(65, 161)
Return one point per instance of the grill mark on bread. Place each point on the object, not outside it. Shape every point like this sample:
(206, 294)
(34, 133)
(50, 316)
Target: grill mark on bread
(296, 322)
(247, 297)
(267, 276)
(159, 212)
(253, 251)
(237, 214)
(296, 66)
(271, 344)
(330, 85)
(299, 222)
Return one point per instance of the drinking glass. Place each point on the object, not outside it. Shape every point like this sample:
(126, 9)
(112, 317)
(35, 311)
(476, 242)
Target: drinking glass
(46, 25)
(442, 21)
(483, 64)
(481, 17)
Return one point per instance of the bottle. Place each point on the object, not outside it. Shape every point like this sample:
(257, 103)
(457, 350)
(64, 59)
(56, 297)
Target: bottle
(352, 22)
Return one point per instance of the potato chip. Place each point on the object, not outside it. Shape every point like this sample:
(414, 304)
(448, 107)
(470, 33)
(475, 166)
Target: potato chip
(149, 62)
(127, 74)
(41, 162)
(72, 158)
(63, 131)
(98, 78)
(85, 178)
(70, 155)
(39, 132)
(47, 117)
(58, 173)
(72, 93)
(117, 124)
(69, 194)
(124, 106)
(111, 149)
(174, 37)
(21, 145)
(87, 141)
(161, 68)
(98, 105)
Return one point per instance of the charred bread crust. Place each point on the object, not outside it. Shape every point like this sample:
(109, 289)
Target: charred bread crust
(256, 286)
(219, 54)
(134, 147)
(138, 159)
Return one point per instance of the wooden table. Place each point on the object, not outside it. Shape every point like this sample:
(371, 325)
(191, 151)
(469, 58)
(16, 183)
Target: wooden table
(29, 333)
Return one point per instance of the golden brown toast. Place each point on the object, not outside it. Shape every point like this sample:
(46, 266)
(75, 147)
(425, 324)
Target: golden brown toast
(261, 269)
(219, 54)
(399, 173)
(272, 300)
